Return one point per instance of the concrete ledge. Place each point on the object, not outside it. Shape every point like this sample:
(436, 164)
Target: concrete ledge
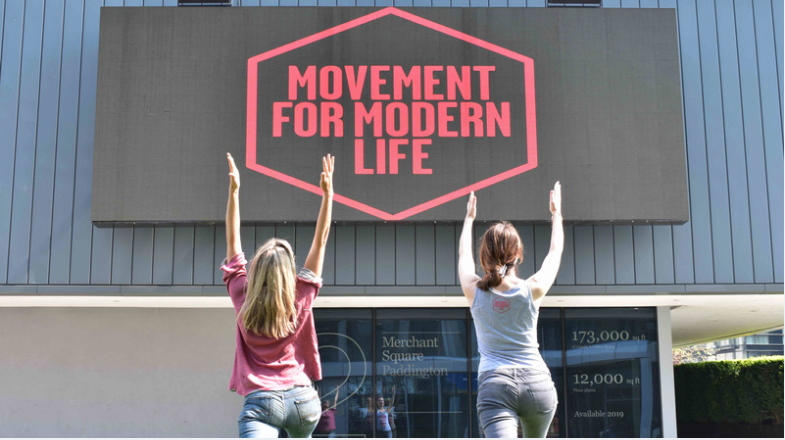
(443, 290)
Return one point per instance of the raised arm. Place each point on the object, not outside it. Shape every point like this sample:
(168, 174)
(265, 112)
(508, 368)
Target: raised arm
(392, 401)
(335, 401)
(542, 281)
(466, 271)
(233, 245)
(315, 260)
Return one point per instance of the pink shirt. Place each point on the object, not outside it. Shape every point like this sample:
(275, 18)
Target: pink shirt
(262, 363)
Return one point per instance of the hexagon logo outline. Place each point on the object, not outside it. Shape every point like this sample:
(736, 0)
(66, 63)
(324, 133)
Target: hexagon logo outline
(529, 93)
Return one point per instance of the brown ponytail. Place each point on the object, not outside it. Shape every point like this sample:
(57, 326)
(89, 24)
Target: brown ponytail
(500, 247)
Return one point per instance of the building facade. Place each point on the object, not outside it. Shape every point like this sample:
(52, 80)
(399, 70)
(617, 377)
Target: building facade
(127, 329)
(762, 344)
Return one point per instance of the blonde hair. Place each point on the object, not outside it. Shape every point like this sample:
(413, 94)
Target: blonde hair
(269, 307)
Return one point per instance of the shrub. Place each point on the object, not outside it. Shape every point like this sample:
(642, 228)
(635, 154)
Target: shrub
(742, 391)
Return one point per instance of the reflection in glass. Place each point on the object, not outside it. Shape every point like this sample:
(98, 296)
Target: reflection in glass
(421, 368)
(345, 346)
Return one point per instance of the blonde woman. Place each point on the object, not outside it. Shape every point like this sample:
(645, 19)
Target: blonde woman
(276, 357)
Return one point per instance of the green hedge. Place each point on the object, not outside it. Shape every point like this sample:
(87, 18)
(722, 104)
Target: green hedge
(742, 391)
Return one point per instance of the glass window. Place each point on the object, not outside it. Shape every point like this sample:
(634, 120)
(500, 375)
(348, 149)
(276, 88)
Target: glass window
(408, 373)
(422, 373)
(345, 347)
(612, 373)
(549, 336)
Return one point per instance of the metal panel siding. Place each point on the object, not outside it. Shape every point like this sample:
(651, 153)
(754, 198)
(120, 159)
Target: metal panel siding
(82, 228)
(163, 255)
(623, 255)
(247, 240)
(567, 268)
(122, 254)
(142, 265)
(772, 127)
(446, 254)
(263, 233)
(2, 18)
(183, 262)
(425, 254)
(584, 255)
(65, 162)
(328, 273)
(302, 243)
(385, 254)
(682, 234)
(644, 254)
(286, 232)
(101, 255)
(603, 255)
(219, 250)
(46, 144)
(715, 145)
(366, 255)
(204, 241)
(404, 255)
(753, 137)
(730, 54)
(24, 159)
(542, 243)
(11, 59)
(700, 218)
(778, 11)
(344, 255)
(526, 232)
(477, 232)
(663, 254)
(741, 233)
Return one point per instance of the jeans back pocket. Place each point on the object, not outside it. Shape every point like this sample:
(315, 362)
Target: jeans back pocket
(256, 409)
(309, 409)
(544, 396)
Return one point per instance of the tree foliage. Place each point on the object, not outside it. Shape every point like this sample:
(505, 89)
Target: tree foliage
(688, 355)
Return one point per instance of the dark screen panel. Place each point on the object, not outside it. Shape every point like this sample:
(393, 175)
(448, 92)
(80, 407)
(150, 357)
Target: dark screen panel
(504, 102)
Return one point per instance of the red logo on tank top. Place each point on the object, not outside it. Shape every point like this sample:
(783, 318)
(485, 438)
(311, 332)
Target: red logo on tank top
(501, 305)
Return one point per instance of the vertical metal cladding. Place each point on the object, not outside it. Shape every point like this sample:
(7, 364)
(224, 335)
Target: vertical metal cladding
(731, 55)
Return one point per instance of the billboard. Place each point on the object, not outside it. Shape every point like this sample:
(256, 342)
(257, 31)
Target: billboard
(420, 106)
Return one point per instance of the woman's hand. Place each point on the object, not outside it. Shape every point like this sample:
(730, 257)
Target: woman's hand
(315, 260)
(556, 198)
(233, 245)
(471, 206)
(234, 174)
(328, 165)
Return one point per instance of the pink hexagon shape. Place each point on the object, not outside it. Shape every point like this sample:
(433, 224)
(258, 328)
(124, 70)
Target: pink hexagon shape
(531, 114)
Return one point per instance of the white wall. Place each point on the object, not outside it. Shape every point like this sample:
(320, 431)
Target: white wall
(117, 372)
(667, 385)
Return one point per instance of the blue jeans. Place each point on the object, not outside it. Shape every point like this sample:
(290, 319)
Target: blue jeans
(505, 396)
(265, 412)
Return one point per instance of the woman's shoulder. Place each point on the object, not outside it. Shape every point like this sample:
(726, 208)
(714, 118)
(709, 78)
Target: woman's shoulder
(308, 276)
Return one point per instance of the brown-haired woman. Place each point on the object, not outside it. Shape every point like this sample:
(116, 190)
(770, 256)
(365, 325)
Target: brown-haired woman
(276, 357)
(514, 382)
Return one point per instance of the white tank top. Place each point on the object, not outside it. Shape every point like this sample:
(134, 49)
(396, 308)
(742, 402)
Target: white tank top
(506, 324)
